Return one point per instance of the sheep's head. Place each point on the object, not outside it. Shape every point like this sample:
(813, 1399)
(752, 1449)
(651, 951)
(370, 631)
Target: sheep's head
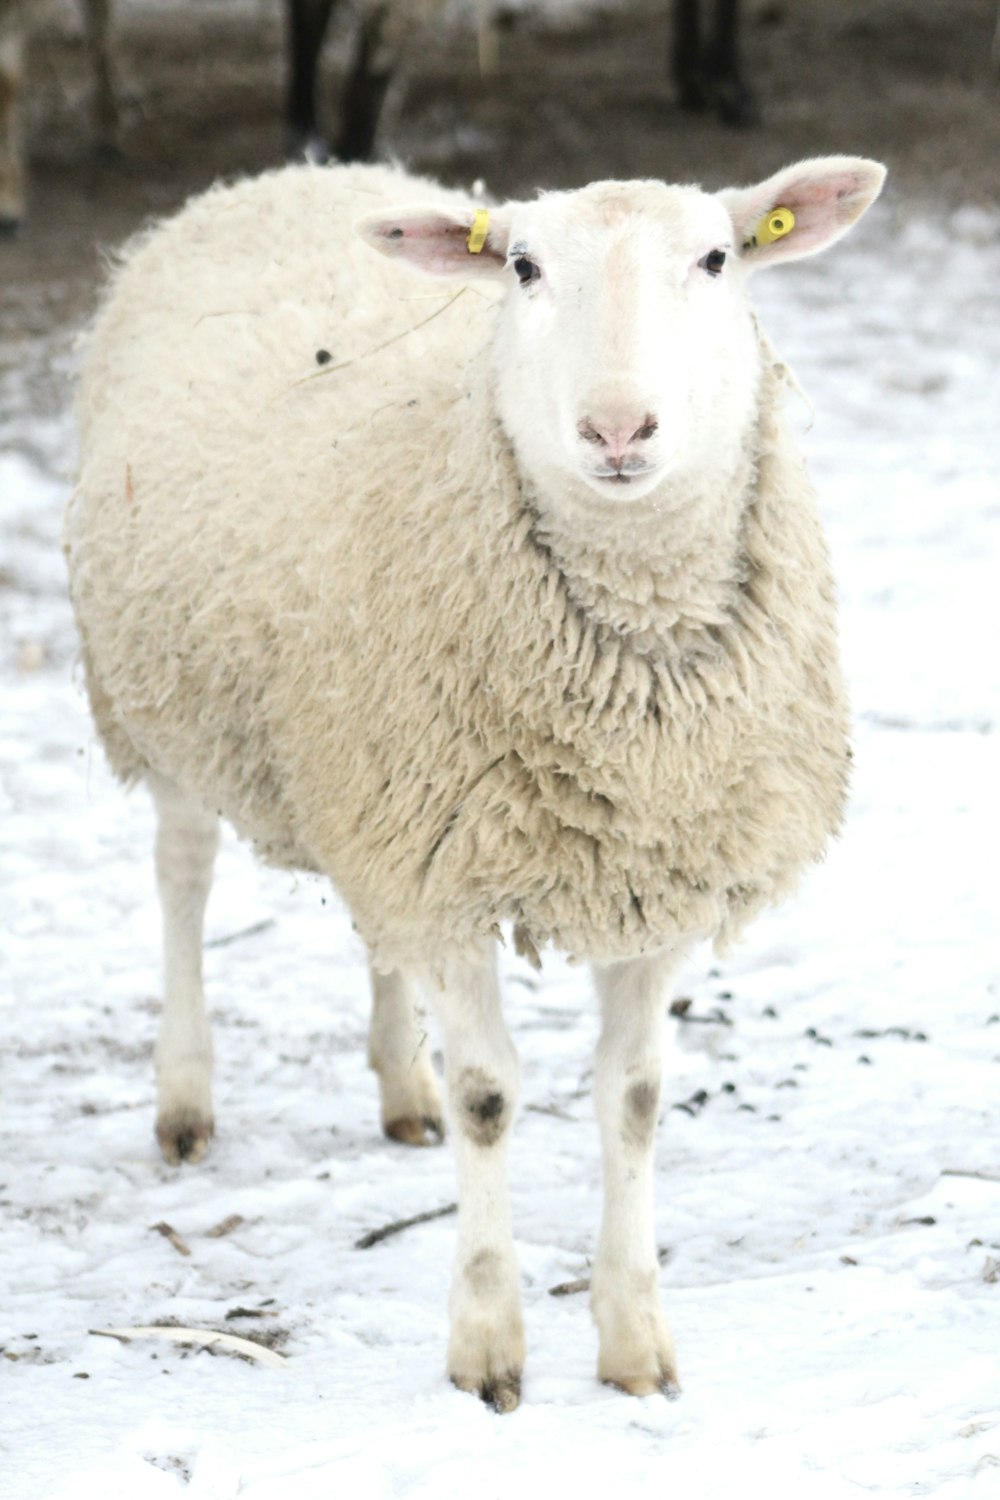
(626, 354)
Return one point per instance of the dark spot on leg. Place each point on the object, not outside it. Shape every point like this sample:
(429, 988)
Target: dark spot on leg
(483, 1108)
(482, 1273)
(642, 1102)
(489, 1107)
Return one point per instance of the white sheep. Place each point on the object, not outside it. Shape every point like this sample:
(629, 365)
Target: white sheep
(16, 19)
(508, 605)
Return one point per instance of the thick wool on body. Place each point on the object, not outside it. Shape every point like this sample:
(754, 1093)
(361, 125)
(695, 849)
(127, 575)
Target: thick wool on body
(322, 598)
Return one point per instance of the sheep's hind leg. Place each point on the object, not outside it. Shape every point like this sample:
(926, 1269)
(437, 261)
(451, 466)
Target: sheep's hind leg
(186, 840)
(399, 1054)
(636, 1349)
(486, 1346)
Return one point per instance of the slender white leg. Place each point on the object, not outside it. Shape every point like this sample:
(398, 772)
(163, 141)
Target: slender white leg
(486, 1347)
(186, 840)
(636, 1349)
(399, 1054)
(11, 85)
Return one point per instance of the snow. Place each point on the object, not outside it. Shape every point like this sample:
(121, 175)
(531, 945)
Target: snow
(829, 1214)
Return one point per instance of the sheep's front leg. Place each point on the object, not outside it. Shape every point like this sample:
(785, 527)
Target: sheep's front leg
(636, 1349)
(398, 1052)
(486, 1347)
(186, 840)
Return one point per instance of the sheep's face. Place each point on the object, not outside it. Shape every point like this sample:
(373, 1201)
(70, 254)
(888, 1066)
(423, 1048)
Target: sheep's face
(626, 356)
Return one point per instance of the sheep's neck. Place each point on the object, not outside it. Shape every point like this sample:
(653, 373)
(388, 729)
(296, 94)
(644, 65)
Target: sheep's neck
(656, 571)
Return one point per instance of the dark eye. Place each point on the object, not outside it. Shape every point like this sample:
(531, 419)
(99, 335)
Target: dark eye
(713, 262)
(526, 270)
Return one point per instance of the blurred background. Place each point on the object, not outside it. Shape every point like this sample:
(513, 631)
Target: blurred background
(522, 93)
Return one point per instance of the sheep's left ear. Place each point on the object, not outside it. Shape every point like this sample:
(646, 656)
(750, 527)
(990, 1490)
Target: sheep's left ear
(821, 199)
(470, 243)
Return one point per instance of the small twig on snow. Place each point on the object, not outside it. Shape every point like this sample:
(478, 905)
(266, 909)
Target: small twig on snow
(550, 1109)
(244, 932)
(582, 1283)
(375, 1235)
(205, 1338)
(567, 1288)
(171, 1234)
(225, 1226)
(680, 1009)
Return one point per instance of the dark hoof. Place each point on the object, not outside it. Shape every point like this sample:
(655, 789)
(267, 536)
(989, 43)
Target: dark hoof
(184, 1136)
(416, 1130)
(9, 227)
(310, 147)
(664, 1384)
(504, 1394)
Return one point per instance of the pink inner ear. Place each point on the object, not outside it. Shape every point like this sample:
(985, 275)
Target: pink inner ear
(425, 242)
(823, 206)
(825, 192)
(422, 229)
(436, 244)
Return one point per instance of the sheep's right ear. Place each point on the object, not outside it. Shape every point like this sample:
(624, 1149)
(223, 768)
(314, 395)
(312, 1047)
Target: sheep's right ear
(464, 245)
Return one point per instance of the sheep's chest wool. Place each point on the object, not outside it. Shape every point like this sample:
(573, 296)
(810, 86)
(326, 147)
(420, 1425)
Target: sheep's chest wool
(600, 794)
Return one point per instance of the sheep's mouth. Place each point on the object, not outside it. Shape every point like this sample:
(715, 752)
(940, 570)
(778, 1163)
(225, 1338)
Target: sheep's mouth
(639, 476)
(625, 475)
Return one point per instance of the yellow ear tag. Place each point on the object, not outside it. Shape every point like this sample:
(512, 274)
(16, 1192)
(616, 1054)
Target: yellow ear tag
(480, 229)
(774, 226)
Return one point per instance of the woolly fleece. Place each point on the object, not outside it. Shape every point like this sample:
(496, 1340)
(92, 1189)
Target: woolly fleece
(322, 599)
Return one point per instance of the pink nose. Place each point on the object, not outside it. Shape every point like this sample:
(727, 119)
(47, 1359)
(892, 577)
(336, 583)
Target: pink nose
(617, 437)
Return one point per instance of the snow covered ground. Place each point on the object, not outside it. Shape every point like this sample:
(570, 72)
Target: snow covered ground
(828, 1198)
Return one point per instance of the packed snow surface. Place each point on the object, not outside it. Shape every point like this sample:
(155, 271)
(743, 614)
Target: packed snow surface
(828, 1163)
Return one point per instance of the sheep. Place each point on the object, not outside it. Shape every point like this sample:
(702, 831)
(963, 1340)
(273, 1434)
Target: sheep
(11, 84)
(384, 27)
(15, 20)
(369, 75)
(711, 73)
(508, 611)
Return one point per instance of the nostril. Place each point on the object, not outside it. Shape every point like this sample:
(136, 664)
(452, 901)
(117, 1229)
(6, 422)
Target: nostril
(647, 430)
(589, 432)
